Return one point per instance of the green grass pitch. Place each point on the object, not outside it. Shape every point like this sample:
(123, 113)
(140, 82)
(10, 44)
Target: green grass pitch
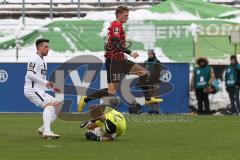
(202, 138)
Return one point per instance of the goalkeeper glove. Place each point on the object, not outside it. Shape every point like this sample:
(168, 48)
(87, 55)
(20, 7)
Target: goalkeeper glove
(83, 124)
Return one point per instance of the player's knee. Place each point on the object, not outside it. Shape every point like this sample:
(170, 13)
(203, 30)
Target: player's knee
(111, 92)
(48, 105)
(57, 104)
(54, 104)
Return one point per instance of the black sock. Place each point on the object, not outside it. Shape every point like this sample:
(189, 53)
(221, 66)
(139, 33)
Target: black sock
(97, 95)
(143, 80)
(146, 92)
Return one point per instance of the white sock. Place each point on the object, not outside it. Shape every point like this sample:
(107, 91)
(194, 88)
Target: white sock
(57, 110)
(48, 115)
(42, 127)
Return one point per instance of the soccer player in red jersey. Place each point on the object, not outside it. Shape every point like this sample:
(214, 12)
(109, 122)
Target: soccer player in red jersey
(116, 65)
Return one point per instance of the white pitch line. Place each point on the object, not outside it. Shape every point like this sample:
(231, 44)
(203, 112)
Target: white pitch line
(51, 146)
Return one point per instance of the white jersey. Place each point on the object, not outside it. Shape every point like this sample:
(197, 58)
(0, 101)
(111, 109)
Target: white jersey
(36, 75)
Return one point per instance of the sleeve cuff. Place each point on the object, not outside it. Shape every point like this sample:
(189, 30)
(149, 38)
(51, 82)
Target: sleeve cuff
(128, 51)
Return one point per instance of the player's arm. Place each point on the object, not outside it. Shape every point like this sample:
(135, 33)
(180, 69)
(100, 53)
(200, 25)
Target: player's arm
(91, 136)
(109, 138)
(116, 30)
(31, 73)
(118, 44)
(91, 126)
(93, 123)
(192, 81)
(116, 40)
(212, 76)
(106, 139)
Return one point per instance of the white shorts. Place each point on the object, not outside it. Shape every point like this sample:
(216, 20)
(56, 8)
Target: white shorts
(39, 98)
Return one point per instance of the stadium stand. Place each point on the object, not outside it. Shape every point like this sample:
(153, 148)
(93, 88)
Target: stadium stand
(41, 9)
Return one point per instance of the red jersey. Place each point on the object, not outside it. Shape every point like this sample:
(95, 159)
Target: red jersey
(115, 30)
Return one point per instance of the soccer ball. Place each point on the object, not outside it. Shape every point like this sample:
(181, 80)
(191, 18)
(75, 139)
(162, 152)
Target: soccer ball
(97, 131)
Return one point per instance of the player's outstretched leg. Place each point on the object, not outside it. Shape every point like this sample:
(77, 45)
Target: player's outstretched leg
(96, 95)
(145, 84)
(49, 116)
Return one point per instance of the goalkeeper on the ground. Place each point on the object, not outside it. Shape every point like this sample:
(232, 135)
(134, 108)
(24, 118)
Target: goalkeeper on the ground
(105, 125)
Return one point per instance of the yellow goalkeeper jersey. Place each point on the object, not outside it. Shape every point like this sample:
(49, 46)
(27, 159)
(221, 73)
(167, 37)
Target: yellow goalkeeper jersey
(114, 123)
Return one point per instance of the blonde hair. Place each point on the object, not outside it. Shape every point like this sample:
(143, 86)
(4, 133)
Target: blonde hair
(121, 9)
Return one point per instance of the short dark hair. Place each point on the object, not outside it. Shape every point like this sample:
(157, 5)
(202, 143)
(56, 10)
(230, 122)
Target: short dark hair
(151, 51)
(233, 57)
(40, 41)
(202, 59)
(121, 9)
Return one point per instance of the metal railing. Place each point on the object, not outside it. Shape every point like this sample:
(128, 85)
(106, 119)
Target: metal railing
(77, 3)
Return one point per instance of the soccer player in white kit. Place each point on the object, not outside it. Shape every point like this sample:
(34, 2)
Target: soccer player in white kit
(35, 86)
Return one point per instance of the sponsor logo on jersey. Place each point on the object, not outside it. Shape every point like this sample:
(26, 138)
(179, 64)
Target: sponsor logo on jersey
(116, 31)
(44, 71)
(31, 66)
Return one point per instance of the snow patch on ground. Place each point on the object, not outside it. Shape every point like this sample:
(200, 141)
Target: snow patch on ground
(16, 29)
(143, 14)
(69, 41)
(12, 26)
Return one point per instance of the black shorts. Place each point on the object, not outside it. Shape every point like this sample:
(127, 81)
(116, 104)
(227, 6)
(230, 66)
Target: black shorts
(116, 70)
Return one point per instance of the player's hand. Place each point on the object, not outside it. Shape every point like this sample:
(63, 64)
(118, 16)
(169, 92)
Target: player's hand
(208, 89)
(134, 54)
(83, 124)
(49, 85)
(56, 90)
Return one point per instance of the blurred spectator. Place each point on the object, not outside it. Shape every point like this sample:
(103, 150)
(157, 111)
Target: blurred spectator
(153, 109)
(153, 66)
(232, 83)
(201, 83)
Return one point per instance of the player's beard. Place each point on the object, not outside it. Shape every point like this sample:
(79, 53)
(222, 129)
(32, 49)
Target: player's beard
(45, 54)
